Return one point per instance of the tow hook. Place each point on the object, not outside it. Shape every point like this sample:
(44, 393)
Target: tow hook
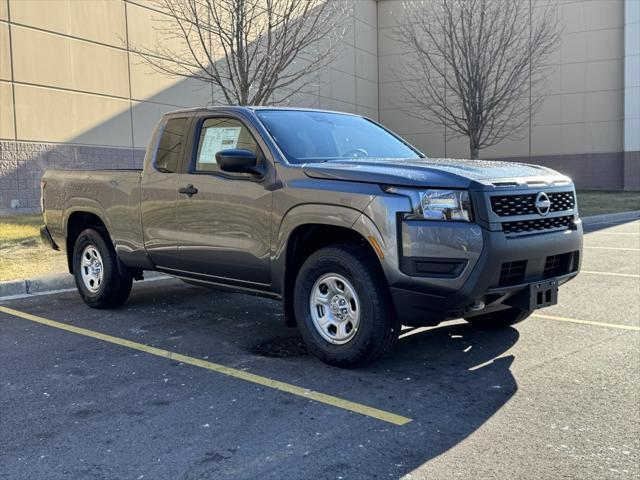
(476, 306)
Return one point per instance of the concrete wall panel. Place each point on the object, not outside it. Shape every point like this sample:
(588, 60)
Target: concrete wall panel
(592, 45)
(53, 60)
(367, 112)
(366, 37)
(431, 144)
(145, 118)
(518, 147)
(366, 65)
(346, 60)
(589, 76)
(146, 84)
(389, 13)
(338, 105)
(339, 86)
(591, 15)
(405, 124)
(146, 29)
(590, 107)
(97, 20)
(367, 93)
(6, 111)
(49, 115)
(457, 147)
(5, 56)
(366, 11)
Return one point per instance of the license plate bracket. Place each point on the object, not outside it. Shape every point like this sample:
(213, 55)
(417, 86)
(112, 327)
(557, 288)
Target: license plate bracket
(543, 294)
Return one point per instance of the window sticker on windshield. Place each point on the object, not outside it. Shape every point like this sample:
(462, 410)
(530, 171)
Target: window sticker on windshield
(216, 139)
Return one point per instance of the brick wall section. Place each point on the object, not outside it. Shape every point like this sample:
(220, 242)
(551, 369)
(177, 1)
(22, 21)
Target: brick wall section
(632, 171)
(22, 165)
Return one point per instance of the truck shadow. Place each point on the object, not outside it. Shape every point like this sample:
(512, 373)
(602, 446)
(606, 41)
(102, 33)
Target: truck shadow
(456, 377)
(448, 379)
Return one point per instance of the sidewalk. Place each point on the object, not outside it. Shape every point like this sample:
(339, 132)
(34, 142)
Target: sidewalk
(58, 282)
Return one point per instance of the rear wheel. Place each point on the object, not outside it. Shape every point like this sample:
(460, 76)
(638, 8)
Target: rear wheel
(95, 268)
(343, 307)
(501, 319)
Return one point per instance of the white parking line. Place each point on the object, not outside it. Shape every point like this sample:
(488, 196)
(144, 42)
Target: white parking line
(630, 275)
(613, 248)
(613, 233)
(588, 322)
(413, 331)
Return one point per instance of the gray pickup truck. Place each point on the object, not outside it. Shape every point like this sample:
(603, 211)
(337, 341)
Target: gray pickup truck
(355, 230)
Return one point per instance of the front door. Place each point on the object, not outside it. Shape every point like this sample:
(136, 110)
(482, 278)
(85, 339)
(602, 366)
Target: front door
(224, 218)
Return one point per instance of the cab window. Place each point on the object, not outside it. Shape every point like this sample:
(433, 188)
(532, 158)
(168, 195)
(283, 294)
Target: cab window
(170, 146)
(222, 134)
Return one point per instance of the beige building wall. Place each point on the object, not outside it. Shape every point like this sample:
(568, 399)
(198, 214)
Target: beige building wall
(579, 128)
(74, 93)
(74, 70)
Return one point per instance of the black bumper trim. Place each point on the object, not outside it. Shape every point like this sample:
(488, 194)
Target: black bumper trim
(46, 238)
(428, 305)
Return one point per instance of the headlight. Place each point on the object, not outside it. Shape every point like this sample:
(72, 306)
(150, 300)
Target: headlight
(451, 205)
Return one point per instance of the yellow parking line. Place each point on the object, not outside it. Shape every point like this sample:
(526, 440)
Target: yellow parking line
(588, 322)
(613, 274)
(231, 372)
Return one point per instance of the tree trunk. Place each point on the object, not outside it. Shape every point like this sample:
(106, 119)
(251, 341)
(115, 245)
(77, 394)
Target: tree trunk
(473, 151)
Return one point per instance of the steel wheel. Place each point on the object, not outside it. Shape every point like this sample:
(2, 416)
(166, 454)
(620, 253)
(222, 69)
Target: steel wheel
(92, 268)
(335, 308)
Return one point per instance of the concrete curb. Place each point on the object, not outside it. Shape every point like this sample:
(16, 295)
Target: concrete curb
(611, 218)
(48, 284)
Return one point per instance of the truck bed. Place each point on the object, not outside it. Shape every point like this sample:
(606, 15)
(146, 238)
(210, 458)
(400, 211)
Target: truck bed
(111, 194)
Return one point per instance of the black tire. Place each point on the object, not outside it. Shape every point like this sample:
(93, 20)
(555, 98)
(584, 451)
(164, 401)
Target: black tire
(378, 329)
(501, 319)
(115, 287)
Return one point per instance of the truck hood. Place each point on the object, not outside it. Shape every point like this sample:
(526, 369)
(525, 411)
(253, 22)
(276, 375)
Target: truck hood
(432, 172)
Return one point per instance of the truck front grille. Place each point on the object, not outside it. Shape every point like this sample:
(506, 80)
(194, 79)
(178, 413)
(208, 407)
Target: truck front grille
(558, 265)
(524, 204)
(512, 273)
(537, 225)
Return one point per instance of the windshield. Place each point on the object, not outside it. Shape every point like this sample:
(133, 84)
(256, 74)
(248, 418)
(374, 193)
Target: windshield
(308, 136)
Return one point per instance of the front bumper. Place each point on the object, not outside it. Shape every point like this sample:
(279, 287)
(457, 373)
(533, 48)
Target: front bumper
(424, 300)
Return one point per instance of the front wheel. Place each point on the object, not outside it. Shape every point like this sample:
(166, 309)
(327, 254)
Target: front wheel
(95, 268)
(501, 319)
(343, 307)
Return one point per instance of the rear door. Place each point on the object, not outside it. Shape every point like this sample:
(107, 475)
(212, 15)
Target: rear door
(224, 228)
(159, 191)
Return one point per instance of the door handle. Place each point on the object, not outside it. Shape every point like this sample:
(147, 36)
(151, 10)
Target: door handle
(189, 190)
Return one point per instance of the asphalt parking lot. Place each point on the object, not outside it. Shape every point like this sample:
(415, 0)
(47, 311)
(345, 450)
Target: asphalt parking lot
(162, 388)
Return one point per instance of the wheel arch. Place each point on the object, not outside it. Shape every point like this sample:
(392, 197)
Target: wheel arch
(308, 228)
(77, 221)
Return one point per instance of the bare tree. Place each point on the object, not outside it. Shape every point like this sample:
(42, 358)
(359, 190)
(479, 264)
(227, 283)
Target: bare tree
(473, 64)
(257, 52)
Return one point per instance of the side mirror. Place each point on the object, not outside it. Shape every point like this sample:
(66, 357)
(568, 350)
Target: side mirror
(238, 160)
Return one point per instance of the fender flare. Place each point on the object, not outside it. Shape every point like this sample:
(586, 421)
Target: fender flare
(298, 216)
(84, 205)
